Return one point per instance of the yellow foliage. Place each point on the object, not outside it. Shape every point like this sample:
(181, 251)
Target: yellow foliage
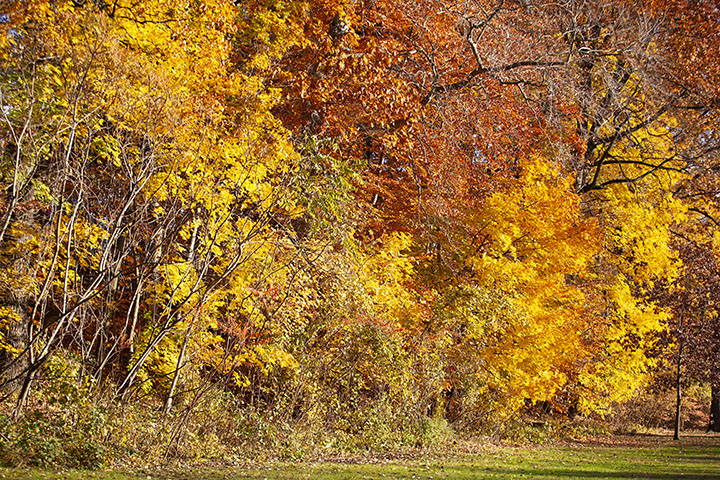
(8, 316)
(536, 256)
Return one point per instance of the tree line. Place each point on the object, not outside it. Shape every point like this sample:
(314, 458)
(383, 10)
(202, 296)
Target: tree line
(322, 208)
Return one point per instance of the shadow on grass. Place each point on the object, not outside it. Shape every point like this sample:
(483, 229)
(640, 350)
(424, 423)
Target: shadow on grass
(590, 474)
(703, 459)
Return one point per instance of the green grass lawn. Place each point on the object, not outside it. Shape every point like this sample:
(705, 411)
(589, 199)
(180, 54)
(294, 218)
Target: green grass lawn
(650, 458)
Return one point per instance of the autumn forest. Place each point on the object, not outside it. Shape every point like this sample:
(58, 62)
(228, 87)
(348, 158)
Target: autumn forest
(292, 224)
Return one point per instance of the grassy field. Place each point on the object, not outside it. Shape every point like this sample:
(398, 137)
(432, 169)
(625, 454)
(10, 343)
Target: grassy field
(650, 458)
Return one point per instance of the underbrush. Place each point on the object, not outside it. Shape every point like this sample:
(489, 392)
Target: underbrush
(221, 430)
(78, 433)
(72, 423)
(655, 411)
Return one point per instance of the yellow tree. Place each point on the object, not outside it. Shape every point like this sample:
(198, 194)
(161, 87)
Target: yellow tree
(157, 176)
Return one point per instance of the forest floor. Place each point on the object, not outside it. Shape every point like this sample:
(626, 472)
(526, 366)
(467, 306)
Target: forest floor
(649, 457)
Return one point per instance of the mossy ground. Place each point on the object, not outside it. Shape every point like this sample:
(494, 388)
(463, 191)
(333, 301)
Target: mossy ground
(651, 457)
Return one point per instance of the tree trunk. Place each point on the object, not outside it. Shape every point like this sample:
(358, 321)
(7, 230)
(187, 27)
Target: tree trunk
(24, 394)
(678, 404)
(181, 357)
(176, 375)
(715, 408)
(14, 364)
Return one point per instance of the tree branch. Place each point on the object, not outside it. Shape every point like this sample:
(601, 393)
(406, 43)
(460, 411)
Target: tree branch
(705, 214)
